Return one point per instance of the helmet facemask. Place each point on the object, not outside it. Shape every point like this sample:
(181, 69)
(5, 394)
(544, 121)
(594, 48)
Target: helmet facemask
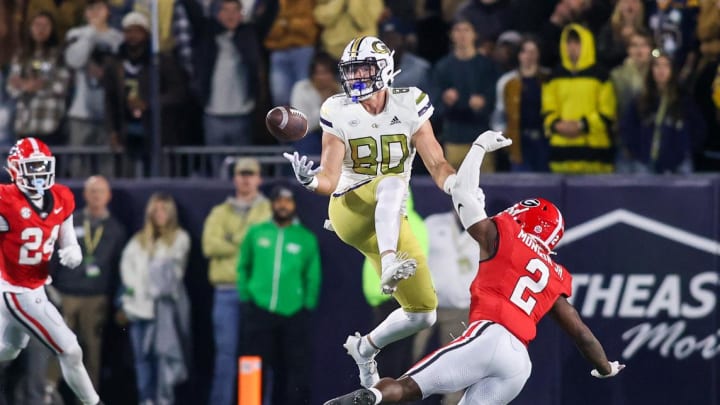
(361, 78)
(33, 175)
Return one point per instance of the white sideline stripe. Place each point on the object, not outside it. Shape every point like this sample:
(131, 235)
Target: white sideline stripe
(646, 224)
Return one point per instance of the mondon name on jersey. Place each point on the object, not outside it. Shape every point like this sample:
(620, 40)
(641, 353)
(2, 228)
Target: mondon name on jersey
(379, 144)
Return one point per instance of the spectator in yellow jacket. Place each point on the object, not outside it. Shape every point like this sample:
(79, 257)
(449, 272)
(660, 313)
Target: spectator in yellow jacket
(343, 20)
(578, 103)
(223, 234)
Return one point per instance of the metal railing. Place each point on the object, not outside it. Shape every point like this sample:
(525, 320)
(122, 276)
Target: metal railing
(176, 161)
(218, 160)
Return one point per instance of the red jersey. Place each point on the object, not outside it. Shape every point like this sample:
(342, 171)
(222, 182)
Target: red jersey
(518, 285)
(28, 234)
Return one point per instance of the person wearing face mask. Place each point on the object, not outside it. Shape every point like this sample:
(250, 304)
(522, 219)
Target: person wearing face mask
(278, 278)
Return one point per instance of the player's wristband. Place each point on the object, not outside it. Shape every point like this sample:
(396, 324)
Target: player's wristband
(449, 183)
(312, 184)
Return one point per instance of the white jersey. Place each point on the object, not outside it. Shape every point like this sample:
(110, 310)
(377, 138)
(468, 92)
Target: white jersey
(376, 144)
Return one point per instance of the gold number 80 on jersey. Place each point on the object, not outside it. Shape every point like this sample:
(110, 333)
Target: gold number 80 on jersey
(364, 154)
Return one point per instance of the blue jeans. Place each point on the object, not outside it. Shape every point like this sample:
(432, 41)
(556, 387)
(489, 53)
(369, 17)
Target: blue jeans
(145, 367)
(233, 130)
(226, 326)
(287, 67)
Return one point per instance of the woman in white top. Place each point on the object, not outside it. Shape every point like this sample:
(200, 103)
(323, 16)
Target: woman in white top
(152, 269)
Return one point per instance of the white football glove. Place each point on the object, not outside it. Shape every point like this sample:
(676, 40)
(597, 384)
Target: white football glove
(70, 256)
(492, 141)
(615, 368)
(304, 172)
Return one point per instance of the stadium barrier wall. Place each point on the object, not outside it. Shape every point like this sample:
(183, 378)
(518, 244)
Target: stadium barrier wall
(643, 252)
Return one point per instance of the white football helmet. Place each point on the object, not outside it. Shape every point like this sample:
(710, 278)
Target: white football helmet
(366, 67)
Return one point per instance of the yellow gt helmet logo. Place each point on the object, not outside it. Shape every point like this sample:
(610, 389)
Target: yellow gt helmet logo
(380, 47)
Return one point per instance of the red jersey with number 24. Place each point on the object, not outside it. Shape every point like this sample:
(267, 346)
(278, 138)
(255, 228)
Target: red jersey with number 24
(518, 285)
(28, 234)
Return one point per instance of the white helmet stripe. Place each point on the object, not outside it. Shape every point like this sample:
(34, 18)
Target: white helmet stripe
(557, 229)
(33, 142)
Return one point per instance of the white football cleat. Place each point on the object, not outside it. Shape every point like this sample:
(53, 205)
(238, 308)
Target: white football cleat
(400, 269)
(367, 365)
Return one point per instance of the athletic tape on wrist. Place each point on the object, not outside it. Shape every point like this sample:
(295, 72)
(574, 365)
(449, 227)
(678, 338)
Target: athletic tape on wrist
(312, 185)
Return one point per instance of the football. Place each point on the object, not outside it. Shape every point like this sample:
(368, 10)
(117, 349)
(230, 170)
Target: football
(286, 124)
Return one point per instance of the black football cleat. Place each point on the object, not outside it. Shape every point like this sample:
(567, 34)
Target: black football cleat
(359, 397)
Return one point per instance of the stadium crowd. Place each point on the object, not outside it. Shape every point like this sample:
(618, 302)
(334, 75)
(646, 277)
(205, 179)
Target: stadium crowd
(581, 86)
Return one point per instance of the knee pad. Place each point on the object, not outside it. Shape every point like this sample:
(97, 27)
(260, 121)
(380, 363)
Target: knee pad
(422, 320)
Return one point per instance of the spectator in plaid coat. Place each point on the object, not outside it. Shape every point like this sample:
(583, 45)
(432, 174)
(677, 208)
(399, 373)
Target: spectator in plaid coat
(38, 82)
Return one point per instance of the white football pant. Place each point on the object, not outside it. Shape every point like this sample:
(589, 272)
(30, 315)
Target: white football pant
(487, 359)
(23, 313)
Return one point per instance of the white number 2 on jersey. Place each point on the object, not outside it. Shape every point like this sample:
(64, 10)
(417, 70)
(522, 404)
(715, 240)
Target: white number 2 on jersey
(33, 249)
(527, 282)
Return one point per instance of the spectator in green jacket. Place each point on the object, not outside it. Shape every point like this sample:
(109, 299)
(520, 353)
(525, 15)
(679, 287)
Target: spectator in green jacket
(224, 232)
(398, 357)
(278, 280)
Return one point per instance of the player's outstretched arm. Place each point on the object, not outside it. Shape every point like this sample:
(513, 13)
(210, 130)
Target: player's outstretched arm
(324, 178)
(569, 320)
(432, 156)
(468, 198)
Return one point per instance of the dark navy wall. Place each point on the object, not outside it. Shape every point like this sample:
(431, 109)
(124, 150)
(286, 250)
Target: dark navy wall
(650, 265)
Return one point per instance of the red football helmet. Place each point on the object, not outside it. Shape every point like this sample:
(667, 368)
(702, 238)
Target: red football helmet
(31, 165)
(540, 218)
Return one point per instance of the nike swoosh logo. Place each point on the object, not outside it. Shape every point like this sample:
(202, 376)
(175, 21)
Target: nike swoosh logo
(459, 206)
(57, 210)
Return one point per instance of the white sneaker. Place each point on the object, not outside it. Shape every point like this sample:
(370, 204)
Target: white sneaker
(400, 269)
(367, 365)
